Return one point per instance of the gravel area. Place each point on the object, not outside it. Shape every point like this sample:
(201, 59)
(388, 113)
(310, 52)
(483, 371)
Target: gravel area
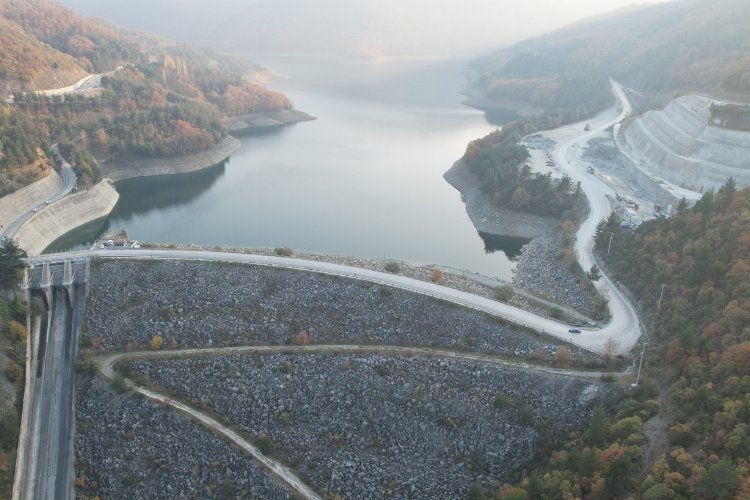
(539, 269)
(131, 448)
(372, 426)
(192, 303)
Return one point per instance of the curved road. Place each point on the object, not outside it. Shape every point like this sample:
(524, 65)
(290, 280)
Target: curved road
(68, 183)
(624, 328)
(594, 340)
(617, 337)
(281, 471)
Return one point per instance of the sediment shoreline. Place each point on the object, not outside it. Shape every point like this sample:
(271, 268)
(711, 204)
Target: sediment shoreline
(120, 170)
(266, 120)
(539, 269)
(488, 218)
(64, 216)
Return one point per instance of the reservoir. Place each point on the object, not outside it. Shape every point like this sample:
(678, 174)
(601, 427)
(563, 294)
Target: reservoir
(364, 179)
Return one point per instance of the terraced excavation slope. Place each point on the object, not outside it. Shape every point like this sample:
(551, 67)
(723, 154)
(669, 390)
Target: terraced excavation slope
(686, 144)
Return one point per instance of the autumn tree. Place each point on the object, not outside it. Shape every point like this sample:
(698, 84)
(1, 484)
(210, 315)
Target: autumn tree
(157, 341)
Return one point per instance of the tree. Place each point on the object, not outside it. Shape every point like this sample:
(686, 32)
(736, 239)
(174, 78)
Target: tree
(11, 264)
(157, 341)
(594, 274)
(8, 429)
(618, 477)
(720, 481)
(596, 432)
(437, 276)
(392, 267)
(302, 338)
(682, 205)
(16, 331)
(13, 371)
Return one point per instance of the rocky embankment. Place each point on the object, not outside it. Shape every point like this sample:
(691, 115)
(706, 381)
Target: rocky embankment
(372, 426)
(539, 269)
(121, 170)
(191, 303)
(488, 218)
(132, 448)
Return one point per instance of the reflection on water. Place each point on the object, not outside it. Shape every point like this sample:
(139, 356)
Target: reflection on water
(511, 246)
(143, 195)
(364, 179)
(80, 239)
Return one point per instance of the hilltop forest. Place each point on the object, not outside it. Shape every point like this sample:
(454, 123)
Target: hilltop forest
(660, 50)
(156, 98)
(683, 432)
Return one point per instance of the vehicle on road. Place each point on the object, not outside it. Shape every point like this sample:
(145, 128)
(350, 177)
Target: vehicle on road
(35, 210)
(574, 330)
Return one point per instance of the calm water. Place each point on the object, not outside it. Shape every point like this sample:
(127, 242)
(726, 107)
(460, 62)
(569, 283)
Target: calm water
(364, 179)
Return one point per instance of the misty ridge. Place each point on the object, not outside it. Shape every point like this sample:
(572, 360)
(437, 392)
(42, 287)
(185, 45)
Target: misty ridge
(364, 30)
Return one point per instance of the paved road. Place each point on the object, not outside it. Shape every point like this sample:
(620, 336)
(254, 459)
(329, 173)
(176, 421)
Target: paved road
(68, 183)
(46, 472)
(594, 340)
(624, 326)
(619, 336)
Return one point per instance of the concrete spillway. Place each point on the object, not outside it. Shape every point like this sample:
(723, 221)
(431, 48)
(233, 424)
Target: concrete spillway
(683, 146)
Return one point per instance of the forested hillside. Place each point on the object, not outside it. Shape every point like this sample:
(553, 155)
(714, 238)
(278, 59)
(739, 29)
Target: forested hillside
(157, 99)
(498, 160)
(661, 49)
(685, 431)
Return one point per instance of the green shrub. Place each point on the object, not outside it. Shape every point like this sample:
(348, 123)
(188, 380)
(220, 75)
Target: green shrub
(392, 267)
(503, 293)
(264, 444)
(525, 417)
(13, 371)
(119, 385)
(9, 430)
(502, 401)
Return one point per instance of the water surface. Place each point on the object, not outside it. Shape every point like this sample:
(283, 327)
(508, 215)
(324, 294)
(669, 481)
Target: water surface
(364, 179)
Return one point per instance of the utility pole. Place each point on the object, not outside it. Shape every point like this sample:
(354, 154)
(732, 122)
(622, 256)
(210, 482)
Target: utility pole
(609, 247)
(661, 294)
(640, 364)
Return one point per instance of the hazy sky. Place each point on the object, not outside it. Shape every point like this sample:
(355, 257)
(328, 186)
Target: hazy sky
(359, 28)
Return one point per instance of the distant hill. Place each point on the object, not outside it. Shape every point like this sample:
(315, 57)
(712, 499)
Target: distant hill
(661, 49)
(159, 98)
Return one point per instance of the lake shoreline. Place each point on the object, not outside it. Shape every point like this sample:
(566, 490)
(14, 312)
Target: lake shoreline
(490, 219)
(538, 268)
(99, 202)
